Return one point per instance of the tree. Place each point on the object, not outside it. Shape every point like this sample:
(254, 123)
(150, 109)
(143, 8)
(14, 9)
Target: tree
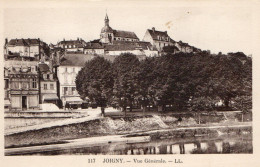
(95, 81)
(126, 84)
(147, 77)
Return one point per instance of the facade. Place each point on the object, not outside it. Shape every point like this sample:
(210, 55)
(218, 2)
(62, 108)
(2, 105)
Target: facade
(48, 84)
(109, 35)
(138, 48)
(94, 48)
(22, 84)
(76, 46)
(184, 47)
(69, 67)
(26, 47)
(158, 39)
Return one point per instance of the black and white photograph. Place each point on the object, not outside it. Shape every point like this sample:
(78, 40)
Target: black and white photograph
(147, 78)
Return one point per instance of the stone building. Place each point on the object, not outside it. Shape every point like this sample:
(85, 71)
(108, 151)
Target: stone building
(67, 71)
(73, 46)
(94, 48)
(138, 48)
(34, 48)
(109, 35)
(22, 84)
(158, 39)
(48, 84)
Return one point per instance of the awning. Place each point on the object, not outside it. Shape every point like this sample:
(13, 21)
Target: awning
(50, 97)
(7, 103)
(75, 100)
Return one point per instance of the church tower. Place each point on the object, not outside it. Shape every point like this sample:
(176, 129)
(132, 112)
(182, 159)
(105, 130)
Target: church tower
(106, 35)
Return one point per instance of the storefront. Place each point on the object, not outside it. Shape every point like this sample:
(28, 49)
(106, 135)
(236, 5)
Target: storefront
(50, 98)
(24, 100)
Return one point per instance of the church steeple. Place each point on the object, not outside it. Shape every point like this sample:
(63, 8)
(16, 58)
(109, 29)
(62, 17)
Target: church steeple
(106, 35)
(106, 20)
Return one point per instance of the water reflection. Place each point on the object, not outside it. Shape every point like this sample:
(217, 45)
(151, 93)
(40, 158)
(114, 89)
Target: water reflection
(168, 146)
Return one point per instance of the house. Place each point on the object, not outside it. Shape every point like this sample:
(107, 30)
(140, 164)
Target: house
(158, 39)
(48, 84)
(67, 71)
(21, 84)
(138, 48)
(94, 48)
(184, 47)
(26, 47)
(109, 35)
(73, 46)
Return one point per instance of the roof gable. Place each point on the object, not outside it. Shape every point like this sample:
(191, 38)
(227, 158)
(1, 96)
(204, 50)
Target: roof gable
(155, 34)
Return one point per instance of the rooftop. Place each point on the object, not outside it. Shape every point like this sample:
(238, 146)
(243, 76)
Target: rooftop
(24, 42)
(125, 34)
(75, 59)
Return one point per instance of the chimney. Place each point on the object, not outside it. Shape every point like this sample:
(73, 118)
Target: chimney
(165, 32)
(63, 39)
(153, 29)
(6, 40)
(78, 39)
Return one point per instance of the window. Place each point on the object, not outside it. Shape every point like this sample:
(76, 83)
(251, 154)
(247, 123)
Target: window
(45, 86)
(47, 76)
(66, 69)
(34, 83)
(6, 83)
(15, 85)
(25, 85)
(73, 90)
(65, 90)
(51, 86)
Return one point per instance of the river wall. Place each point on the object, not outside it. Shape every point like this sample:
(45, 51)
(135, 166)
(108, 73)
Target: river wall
(165, 127)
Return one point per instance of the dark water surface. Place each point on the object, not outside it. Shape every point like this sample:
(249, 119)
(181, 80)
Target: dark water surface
(202, 145)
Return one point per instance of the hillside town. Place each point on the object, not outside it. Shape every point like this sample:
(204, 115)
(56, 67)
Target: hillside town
(37, 73)
(121, 95)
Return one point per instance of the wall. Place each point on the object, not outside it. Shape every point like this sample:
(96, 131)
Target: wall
(34, 50)
(67, 79)
(94, 51)
(49, 90)
(117, 53)
(19, 49)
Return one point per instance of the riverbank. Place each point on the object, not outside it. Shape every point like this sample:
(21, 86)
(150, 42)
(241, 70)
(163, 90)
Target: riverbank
(95, 126)
(179, 134)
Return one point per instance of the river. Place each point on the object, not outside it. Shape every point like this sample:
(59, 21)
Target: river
(196, 145)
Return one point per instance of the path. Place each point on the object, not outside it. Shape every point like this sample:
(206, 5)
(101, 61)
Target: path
(92, 115)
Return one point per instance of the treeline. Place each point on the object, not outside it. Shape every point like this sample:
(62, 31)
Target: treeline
(190, 82)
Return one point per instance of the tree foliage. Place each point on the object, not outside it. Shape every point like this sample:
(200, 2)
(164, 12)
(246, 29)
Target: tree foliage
(183, 81)
(95, 82)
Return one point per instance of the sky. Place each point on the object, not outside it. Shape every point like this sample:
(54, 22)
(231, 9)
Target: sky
(218, 27)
